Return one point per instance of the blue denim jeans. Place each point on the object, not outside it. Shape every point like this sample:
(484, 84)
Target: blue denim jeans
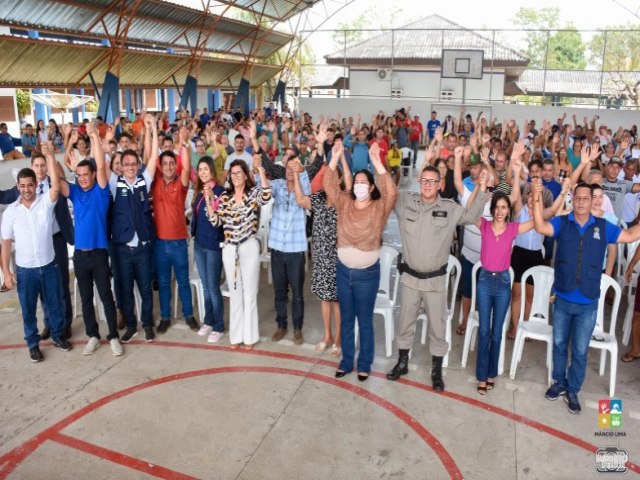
(571, 322)
(493, 299)
(209, 263)
(287, 270)
(44, 281)
(135, 264)
(357, 291)
(173, 254)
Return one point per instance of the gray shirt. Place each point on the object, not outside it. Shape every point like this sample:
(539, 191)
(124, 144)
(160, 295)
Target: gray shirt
(616, 192)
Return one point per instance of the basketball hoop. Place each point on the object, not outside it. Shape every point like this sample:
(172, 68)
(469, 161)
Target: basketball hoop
(61, 101)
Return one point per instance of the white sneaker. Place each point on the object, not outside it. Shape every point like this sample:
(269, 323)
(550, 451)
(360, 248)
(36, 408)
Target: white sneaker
(116, 347)
(92, 345)
(214, 337)
(204, 330)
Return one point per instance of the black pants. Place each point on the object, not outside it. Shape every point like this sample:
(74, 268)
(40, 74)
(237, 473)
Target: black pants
(92, 266)
(287, 270)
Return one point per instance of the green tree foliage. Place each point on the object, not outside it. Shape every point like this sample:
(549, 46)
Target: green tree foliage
(23, 100)
(622, 51)
(566, 49)
(348, 33)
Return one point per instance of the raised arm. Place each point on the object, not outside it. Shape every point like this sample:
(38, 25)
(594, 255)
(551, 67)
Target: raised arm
(457, 170)
(185, 157)
(54, 189)
(151, 127)
(388, 188)
(98, 155)
(303, 200)
(541, 225)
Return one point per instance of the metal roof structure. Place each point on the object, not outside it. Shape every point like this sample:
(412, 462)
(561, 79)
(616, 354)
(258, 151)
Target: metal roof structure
(279, 10)
(35, 63)
(574, 83)
(156, 23)
(421, 43)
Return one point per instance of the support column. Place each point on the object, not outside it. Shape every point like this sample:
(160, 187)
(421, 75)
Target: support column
(190, 95)
(127, 101)
(210, 101)
(217, 100)
(74, 111)
(172, 104)
(110, 98)
(242, 97)
(83, 108)
(41, 110)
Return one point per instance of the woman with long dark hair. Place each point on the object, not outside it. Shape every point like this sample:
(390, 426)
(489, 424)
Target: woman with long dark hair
(362, 215)
(207, 251)
(494, 280)
(237, 213)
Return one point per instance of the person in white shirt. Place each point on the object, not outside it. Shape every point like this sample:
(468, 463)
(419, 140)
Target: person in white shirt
(29, 221)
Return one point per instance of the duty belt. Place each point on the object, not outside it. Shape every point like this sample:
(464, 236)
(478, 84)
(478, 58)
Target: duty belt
(404, 268)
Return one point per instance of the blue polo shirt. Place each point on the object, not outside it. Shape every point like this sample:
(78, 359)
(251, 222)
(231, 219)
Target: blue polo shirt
(90, 209)
(613, 232)
(553, 186)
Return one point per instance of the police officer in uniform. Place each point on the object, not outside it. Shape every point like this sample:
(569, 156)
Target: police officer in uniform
(427, 223)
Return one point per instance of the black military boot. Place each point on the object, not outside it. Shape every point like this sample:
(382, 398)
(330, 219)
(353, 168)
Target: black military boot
(436, 374)
(400, 368)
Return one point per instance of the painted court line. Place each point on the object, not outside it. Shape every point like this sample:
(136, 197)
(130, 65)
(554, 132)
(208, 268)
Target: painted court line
(575, 441)
(10, 461)
(120, 458)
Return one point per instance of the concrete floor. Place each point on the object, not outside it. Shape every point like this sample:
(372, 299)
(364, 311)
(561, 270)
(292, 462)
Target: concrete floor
(180, 408)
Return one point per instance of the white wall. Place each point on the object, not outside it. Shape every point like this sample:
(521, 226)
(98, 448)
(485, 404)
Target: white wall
(417, 83)
(368, 107)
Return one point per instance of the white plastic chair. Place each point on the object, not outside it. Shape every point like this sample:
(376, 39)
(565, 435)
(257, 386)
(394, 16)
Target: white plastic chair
(263, 235)
(195, 282)
(537, 327)
(473, 323)
(609, 342)
(386, 298)
(454, 272)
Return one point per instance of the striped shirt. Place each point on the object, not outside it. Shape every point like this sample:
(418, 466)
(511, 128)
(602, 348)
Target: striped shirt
(240, 221)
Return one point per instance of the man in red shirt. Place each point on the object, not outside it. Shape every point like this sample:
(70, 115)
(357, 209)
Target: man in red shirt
(381, 140)
(169, 191)
(415, 137)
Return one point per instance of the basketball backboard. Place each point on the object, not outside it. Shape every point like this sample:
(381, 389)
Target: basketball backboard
(462, 63)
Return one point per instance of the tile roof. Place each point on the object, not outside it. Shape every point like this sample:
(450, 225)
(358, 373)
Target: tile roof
(424, 39)
(575, 83)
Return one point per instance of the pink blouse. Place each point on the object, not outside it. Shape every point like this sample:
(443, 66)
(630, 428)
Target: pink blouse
(495, 250)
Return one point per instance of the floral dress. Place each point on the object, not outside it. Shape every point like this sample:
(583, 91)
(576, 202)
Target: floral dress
(324, 250)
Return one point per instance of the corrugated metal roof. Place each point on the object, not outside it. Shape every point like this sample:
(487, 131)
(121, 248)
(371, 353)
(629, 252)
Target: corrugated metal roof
(155, 23)
(575, 83)
(34, 63)
(423, 40)
(274, 9)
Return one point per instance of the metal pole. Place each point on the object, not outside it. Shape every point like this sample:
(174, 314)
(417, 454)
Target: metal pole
(440, 84)
(493, 56)
(546, 57)
(604, 57)
(344, 63)
(393, 37)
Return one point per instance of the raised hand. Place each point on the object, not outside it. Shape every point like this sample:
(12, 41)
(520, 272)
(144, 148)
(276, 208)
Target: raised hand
(74, 137)
(484, 155)
(458, 151)
(337, 150)
(482, 180)
(47, 149)
(439, 135)
(257, 161)
(518, 150)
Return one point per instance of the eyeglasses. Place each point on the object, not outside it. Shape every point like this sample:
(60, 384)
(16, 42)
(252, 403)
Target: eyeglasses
(429, 181)
(235, 174)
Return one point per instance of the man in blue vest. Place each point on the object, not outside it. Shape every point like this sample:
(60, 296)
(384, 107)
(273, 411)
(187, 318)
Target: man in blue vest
(582, 241)
(132, 231)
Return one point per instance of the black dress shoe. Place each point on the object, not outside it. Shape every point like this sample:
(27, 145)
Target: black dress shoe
(340, 373)
(163, 326)
(66, 333)
(363, 376)
(46, 333)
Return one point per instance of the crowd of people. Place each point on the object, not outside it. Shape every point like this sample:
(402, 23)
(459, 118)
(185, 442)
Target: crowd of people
(508, 195)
